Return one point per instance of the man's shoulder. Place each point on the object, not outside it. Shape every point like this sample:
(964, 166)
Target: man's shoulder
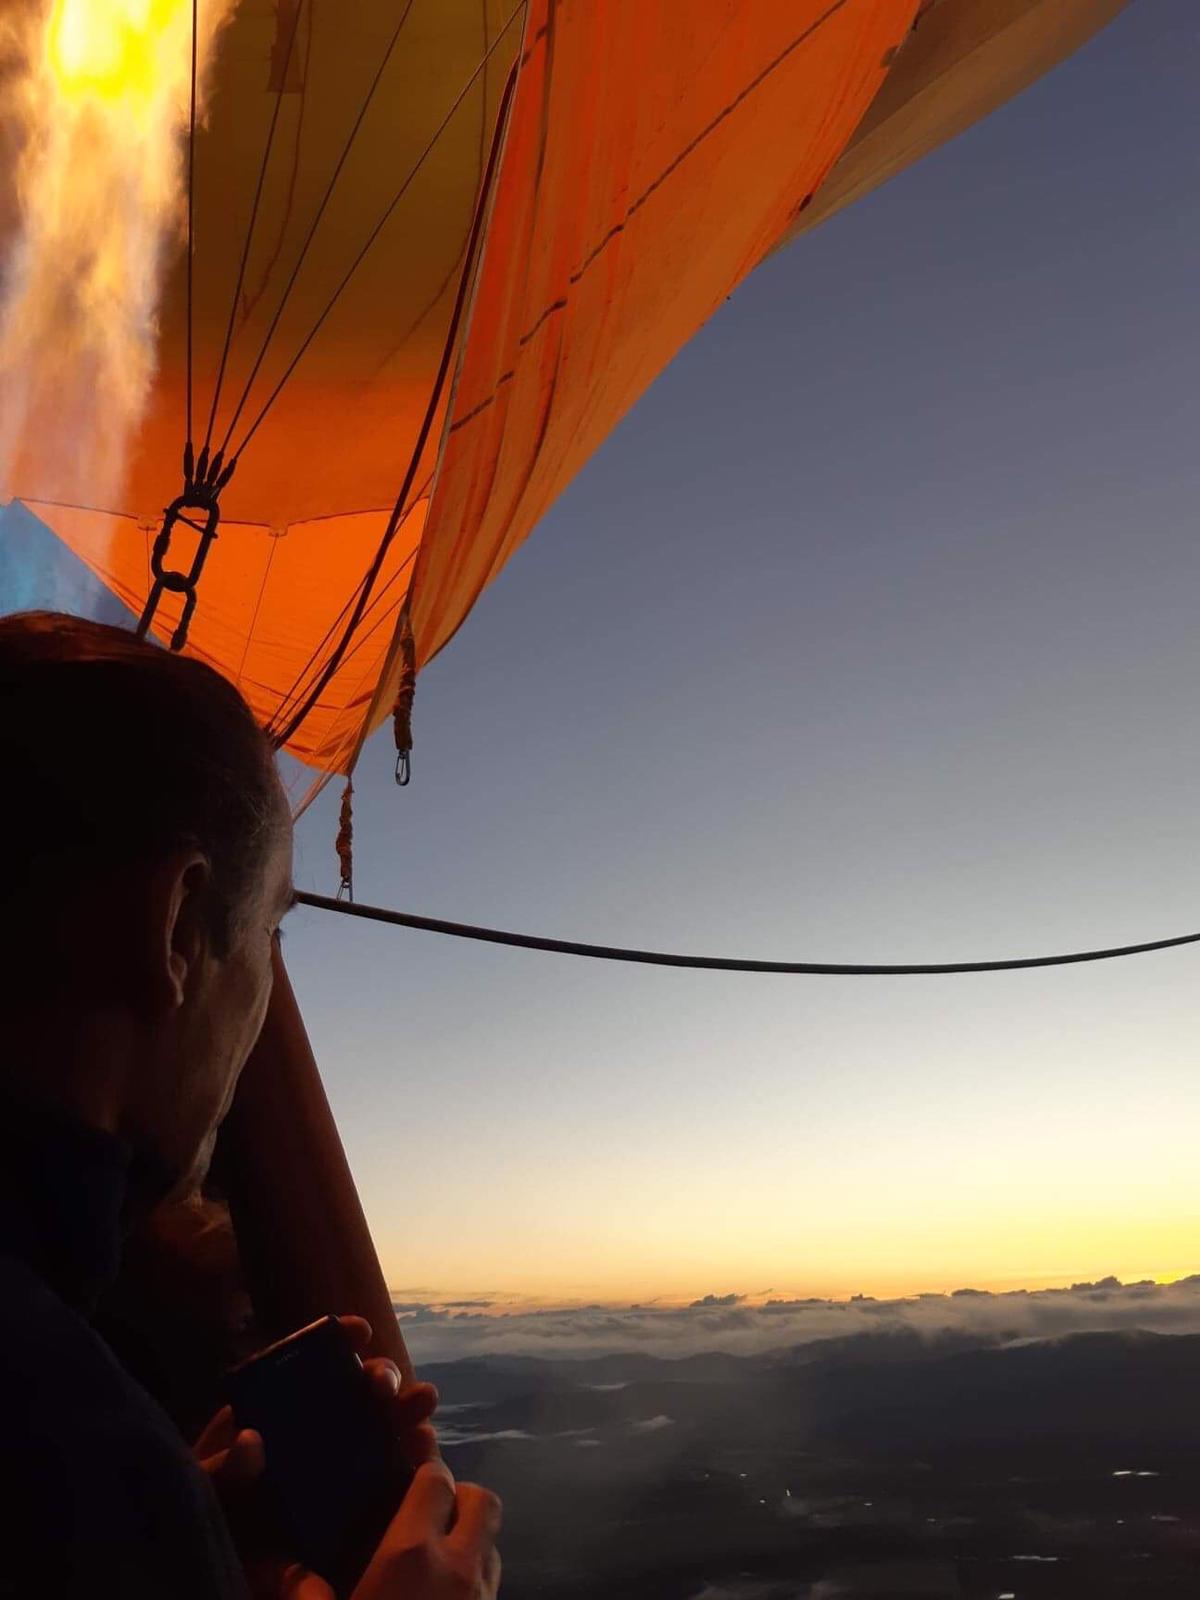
(48, 1349)
(107, 1479)
(70, 1401)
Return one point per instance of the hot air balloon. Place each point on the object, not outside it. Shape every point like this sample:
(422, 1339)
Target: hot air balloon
(358, 290)
(436, 252)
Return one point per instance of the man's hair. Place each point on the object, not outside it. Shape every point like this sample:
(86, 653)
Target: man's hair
(117, 753)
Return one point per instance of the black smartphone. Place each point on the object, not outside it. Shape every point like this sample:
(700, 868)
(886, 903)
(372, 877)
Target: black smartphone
(334, 1476)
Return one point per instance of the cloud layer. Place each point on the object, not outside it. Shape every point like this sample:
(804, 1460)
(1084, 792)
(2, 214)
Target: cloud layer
(727, 1323)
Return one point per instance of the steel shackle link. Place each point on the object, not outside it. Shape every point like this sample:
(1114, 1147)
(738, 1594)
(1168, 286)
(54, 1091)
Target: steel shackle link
(203, 481)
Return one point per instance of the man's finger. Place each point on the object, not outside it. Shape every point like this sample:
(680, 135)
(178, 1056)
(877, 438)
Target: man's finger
(218, 1435)
(384, 1376)
(413, 1405)
(491, 1574)
(359, 1330)
(420, 1444)
(299, 1584)
(478, 1523)
(426, 1509)
(241, 1464)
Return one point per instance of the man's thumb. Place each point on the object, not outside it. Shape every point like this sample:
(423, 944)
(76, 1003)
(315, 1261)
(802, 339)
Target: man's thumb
(300, 1584)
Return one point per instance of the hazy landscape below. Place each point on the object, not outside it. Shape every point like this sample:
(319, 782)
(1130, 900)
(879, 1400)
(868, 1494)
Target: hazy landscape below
(910, 1455)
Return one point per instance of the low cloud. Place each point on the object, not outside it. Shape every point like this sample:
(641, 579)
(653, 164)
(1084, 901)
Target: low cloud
(465, 1436)
(727, 1323)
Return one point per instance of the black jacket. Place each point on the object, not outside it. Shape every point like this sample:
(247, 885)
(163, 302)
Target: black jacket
(102, 1494)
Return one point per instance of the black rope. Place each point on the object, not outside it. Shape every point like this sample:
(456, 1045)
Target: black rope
(298, 682)
(251, 225)
(359, 258)
(309, 663)
(400, 509)
(191, 212)
(660, 958)
(313, 226)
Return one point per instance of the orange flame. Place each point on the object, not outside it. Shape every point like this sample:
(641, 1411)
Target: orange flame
(98, 95)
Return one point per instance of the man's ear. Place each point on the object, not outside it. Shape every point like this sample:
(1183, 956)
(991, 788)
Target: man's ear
(178, 927)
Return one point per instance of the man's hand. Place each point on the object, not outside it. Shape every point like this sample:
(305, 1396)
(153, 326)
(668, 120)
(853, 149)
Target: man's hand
(409, 1409)
(441, 1545)
(233, 1459)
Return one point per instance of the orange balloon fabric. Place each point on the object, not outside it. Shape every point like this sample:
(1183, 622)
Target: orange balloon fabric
(651, 164)
(651, 156)
(655, 155)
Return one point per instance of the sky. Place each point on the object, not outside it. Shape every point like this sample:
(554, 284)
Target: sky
(868, 636)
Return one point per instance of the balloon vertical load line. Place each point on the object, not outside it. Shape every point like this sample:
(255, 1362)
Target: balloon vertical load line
(281, 736)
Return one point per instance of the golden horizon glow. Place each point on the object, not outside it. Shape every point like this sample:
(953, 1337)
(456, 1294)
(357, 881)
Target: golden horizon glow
(593, 1275)
(938, 1180)
(507, 1302)
(994, 1209)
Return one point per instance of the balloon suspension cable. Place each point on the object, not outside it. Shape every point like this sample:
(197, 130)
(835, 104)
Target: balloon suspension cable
(280, 735)
(235, 302)
(662, 958)
(314, 224)
(368, 244)
(191, 220)
(203, 481)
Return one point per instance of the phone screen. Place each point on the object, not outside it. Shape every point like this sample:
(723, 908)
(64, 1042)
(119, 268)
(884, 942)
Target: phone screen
(333, 1473)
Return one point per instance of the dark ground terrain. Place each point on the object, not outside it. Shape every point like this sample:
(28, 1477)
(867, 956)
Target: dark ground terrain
(881, 1465)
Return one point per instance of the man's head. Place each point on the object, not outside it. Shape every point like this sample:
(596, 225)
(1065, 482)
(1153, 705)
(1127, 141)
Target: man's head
(149, 863)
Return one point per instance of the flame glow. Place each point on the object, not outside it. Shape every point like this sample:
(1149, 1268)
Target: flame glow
(95, 100)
